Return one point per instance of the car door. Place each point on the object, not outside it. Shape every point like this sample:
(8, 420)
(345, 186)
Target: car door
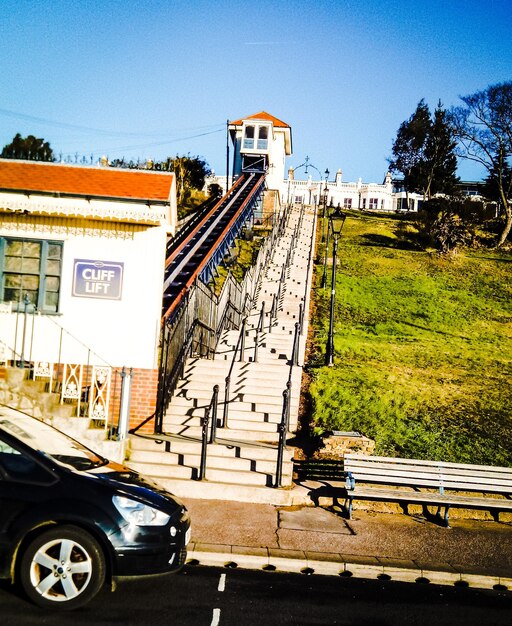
(24, 483)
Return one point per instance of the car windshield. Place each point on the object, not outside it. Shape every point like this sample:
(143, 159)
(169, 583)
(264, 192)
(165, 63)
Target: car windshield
(47, 440)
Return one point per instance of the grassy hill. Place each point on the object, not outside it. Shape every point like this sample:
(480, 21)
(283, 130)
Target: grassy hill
(423, 346)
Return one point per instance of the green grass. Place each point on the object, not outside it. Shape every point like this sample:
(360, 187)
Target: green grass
(423, 347)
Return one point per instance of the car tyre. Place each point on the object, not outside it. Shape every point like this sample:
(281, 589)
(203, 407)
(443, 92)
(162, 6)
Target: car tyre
(62, 568)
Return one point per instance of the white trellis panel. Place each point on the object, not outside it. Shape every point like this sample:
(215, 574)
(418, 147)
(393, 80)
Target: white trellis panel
(72, 384)
(99, 396)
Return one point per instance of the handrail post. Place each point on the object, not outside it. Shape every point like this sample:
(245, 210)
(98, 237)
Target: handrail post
(214, 405)
(282, 441)
(226, 402)
(204, 443)
(242, 341)
(26, 302)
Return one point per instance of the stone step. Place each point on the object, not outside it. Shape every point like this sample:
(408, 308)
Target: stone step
(213, 461)
(222, 447)
(246, 417)
(239, 477)
(191, 421)
(239, 392)
(241, 434)
(218, 370)
(209, 490)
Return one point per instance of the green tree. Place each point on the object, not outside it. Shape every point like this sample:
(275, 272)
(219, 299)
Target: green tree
(28, 148)
(410, 145)
(440, 159)
(215, 191)
(424, 152)
(190, 174)
(483, 128)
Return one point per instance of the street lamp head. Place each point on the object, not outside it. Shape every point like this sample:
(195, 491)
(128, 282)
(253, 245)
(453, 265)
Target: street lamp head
(326, 173)
(337, 220)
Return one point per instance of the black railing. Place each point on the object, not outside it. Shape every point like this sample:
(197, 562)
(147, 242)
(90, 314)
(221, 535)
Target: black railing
(239, 348)
(206, 438)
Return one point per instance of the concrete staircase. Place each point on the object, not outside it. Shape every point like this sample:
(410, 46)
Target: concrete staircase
(241, 463)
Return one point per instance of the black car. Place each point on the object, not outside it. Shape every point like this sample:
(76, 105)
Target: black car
(70, 520)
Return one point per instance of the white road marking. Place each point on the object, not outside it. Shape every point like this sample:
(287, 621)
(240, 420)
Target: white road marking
(222, 582)
(216, 617)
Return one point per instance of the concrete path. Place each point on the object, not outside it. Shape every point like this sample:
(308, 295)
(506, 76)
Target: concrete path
(472, 553)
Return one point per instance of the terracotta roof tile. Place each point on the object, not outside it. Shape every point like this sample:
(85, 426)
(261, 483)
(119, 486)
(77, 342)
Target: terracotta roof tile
(263, 115)
(84, 181)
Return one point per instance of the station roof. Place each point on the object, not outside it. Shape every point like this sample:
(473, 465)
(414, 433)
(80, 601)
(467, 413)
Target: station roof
(78, 180)
(263, 115)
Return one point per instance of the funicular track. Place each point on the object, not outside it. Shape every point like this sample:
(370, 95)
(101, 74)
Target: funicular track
(206, 239)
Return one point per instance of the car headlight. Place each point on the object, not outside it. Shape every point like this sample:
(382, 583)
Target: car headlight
(139, 514)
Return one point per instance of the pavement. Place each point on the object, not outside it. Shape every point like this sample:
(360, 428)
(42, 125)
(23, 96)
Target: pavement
(320, 540)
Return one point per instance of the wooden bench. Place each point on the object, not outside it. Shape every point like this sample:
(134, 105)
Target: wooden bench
(428, 483)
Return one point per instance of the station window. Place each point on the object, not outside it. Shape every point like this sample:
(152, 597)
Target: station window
(374, 203)
(347, 203)
(249, 138)
(263, 138)
(33, 268)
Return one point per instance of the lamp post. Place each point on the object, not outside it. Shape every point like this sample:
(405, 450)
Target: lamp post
(323, 282)
(326, 191)
(336, 222)
(322, 197)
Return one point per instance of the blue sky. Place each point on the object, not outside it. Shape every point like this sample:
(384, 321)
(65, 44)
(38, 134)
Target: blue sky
(156, 78)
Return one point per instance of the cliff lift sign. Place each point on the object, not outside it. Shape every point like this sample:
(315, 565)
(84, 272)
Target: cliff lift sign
(97, 279)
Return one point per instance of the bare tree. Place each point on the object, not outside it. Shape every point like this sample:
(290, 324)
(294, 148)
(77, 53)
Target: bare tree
(483, 127)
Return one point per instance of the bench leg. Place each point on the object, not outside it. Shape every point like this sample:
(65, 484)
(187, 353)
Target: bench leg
(348, 508)
(446, 522)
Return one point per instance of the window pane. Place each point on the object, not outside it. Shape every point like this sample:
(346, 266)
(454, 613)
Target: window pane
(30, 266)
(11, 295)
(51, 301)
(54, 251)
(30, 282)
(13, 264)
(53, 267)
(14, 247)
(31, 249)
(249, 132)
(12, 281)
(52, 283)
(263, 132)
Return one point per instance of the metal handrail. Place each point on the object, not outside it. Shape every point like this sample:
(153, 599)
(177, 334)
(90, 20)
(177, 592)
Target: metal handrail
(259, 329)
(282, 439)
(211, 408)
(240, 346)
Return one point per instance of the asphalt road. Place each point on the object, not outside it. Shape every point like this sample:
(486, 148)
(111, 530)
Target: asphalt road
(230, 597)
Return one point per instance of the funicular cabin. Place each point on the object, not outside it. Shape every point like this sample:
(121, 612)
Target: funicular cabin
(261, 144)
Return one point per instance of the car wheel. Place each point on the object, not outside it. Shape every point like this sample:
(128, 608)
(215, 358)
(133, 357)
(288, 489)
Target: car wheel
(64, 567)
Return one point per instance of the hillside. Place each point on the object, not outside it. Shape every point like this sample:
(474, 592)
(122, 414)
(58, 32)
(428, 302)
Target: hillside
(423, 346)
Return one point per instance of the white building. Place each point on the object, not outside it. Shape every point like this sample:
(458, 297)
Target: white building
(83, 248)
(358, 195)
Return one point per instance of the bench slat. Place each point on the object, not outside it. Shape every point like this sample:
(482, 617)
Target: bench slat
(385, 459)
(396, 495)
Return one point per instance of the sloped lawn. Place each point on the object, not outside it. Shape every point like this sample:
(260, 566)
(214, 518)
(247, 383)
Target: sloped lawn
(423, 347)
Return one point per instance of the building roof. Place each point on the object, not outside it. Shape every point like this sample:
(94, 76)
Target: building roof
(263, 115)
(77, 180)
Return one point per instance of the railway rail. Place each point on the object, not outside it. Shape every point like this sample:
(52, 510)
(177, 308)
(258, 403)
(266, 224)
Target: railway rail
(206, 239)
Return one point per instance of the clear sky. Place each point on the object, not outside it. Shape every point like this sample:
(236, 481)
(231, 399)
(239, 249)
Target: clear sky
(156, 78)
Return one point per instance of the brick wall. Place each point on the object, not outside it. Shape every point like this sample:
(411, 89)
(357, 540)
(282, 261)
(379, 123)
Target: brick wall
(143, 397)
